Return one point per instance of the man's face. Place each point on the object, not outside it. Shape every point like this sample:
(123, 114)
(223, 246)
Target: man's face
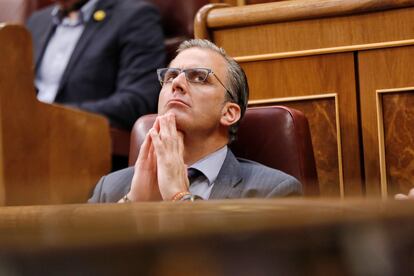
(67, 5)
(197, 106)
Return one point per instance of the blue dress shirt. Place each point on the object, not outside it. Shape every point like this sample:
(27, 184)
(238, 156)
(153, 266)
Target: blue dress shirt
(210, 167)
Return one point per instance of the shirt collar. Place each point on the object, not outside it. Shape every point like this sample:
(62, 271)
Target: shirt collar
(85, 14)
(211, 164)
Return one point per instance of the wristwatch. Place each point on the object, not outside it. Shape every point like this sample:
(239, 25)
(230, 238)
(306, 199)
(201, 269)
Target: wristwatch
(126, 199)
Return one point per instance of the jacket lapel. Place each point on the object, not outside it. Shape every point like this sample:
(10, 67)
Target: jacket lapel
(90, 30)
(228, 179)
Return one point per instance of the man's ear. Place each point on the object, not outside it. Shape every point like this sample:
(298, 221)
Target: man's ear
(230, 114)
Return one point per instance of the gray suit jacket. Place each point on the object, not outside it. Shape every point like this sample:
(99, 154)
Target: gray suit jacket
(238, 178)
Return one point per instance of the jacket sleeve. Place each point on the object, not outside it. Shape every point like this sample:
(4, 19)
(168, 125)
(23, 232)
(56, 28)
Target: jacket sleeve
(112, 187)
(97, 192)
(289, 187)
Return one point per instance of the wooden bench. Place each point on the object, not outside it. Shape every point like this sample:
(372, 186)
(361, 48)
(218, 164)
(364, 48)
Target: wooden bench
(48, 153)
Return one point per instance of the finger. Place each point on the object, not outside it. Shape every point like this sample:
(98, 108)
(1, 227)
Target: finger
(164, 131)
(144, 150)
(411, 193)
(180, 136)
(152, 157)
(156, 141)
(156, 125)
(400, 196)
(172, 127)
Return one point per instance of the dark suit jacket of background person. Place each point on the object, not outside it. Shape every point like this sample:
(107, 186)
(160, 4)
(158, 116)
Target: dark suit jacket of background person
(238, 178)
(112, 70)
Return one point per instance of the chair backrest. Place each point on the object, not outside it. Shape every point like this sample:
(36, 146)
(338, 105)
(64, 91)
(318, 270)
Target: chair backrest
(17, 11)
(177, 19)
(275, 136)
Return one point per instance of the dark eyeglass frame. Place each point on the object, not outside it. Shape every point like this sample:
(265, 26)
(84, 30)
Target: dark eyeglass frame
(161, 71)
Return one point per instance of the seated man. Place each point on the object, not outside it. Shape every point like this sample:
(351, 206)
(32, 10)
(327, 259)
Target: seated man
(203, 97)
(99, 55)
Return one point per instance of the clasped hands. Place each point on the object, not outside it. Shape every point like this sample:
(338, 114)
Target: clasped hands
(410, 195)
(160, 172)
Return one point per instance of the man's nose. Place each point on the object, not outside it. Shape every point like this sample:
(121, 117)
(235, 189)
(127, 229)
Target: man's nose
(179, 82)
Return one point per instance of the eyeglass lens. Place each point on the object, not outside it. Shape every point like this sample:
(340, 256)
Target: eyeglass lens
(193, 75)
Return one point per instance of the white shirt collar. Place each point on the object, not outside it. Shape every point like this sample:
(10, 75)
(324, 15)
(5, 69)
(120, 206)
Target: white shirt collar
(211, 164)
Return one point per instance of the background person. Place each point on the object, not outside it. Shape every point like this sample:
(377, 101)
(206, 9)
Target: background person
(99, 56)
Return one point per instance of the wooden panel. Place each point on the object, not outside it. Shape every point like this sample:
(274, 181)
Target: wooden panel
(49, 153)
(243, 2)
(398, 120)
(321, 114)
(230, 2)
(294, 10)
(385, 69)
(317, 33)
(272, 81)
(278, 33)
(251, 2)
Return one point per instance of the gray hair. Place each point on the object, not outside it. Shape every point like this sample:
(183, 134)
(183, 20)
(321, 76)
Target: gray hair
(236, 80)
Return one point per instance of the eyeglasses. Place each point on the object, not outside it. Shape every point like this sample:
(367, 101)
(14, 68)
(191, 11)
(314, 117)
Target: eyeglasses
(194, 75)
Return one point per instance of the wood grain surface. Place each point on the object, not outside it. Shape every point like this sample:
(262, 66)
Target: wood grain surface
(49, 153)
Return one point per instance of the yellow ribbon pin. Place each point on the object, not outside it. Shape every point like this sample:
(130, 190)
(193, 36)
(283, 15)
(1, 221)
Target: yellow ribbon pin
(99, 15)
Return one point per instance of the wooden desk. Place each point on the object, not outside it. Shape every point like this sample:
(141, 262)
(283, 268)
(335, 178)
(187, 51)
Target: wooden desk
(347, 65)
(242, 237)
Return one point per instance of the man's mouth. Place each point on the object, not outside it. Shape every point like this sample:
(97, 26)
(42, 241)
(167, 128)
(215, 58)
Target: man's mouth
(177, 102)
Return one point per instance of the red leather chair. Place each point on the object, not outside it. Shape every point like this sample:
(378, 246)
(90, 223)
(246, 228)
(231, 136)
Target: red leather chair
(275, 136)
(17, 11)
(177, 19)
